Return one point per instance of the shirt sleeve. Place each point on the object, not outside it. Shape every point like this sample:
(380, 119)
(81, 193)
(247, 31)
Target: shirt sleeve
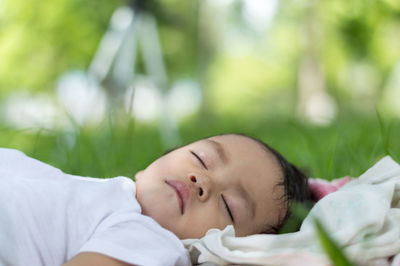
(14, 163)
(138, 240)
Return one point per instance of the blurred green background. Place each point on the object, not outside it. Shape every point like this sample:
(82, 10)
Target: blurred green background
(317, 80)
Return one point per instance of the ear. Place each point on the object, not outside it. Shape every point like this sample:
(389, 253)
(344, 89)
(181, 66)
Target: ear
(138, 175)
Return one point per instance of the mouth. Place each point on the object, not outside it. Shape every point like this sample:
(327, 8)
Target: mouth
(182, 192)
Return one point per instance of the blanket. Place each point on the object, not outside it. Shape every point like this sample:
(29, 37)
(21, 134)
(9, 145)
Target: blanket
(363, 217)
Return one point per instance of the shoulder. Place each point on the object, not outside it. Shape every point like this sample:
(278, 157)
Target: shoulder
(6, 153)
(17, 163)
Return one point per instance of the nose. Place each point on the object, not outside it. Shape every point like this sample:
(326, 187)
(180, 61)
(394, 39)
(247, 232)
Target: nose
(202, 185)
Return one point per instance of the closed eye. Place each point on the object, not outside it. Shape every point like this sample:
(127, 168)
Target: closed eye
(200, 160)
(227, 208)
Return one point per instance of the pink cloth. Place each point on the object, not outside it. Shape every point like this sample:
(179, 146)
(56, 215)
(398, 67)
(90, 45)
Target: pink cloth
(319, 188)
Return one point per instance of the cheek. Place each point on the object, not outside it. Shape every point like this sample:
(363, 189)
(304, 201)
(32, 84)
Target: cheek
(160, 168)
(201, 219)
(156, 200)
(152, 174)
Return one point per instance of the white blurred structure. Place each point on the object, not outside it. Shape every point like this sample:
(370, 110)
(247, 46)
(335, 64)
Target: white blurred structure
(259, 13)
(315, 105)
(148, 96)
(184, 99)
(239, 37)
(27, 111)
(81, 98)
(145, 101)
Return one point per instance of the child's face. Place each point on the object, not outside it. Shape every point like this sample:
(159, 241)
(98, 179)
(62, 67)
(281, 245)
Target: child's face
(185, 190)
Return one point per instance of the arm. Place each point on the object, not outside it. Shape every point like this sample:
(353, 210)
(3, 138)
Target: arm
(94, 259)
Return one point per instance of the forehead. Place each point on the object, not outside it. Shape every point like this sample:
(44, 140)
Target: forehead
(246, 152)
(239, 143)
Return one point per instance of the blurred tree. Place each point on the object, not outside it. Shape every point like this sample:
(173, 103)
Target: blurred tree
(242, 66)
(40, 39)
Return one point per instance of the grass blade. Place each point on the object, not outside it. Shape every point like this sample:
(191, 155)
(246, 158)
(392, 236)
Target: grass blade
(333, 251)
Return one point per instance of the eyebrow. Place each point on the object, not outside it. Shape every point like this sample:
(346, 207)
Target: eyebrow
(220, 150)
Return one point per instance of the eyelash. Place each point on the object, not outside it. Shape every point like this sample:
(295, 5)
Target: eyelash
(227, 208)
(200, 160)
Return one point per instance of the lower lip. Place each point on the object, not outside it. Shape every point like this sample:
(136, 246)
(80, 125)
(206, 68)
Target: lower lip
(182, 192)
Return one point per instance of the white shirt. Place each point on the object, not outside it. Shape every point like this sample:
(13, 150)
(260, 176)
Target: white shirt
(47, 217)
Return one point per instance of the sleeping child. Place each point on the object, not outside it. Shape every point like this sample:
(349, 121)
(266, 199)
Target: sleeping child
(48, 217)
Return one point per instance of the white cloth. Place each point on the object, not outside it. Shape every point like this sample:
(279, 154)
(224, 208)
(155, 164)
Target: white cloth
(47, 217)
(363, 217)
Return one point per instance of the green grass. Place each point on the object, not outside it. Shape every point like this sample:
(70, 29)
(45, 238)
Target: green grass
(347, 147)
(330, 247)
